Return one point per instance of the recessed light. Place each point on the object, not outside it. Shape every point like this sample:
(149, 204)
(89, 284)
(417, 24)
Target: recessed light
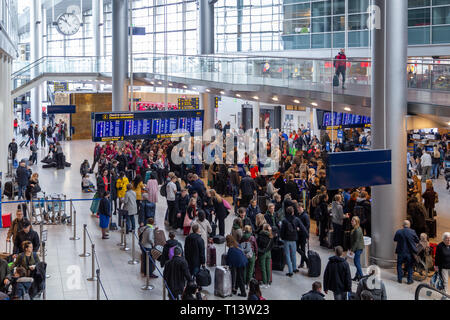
(170, 84)
(185, 86)
(222, 92)
(297, 101)
(448, 123)
(347, 109)
(275, 98)
(314, 104)
(194, 88)
(159, 82)
(238, 95)
(207, 90)
(256, 97)
(152, 82)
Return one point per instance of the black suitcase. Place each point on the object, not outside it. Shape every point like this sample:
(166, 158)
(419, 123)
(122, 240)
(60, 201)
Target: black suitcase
(278, 258)
(22, 144)
(214, 230)
(431, 228)
(336, 81)
(314, 264)
(10, 190)
(218, 239)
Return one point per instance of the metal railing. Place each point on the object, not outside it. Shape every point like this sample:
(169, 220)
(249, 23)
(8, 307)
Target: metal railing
(426, 292)
(243, 70)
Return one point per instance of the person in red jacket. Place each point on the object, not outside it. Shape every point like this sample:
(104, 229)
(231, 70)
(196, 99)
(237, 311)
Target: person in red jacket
(340, 64)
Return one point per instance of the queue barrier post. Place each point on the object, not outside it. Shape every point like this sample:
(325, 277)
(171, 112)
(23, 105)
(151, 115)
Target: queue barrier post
(43, 259)
(74, 225)
(93, 277)
(133, 251)
(164, 289)
(98, 284)
(122, 232)
(84, 254)
(147, 285)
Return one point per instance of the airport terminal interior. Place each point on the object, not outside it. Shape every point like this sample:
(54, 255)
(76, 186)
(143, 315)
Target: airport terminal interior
(295, 149)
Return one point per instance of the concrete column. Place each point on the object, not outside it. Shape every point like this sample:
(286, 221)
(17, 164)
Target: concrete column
(120, 55)
(389, 105)
(256, 114)
(207, 103)
(6, 110)
(206, 26)
(35, 43)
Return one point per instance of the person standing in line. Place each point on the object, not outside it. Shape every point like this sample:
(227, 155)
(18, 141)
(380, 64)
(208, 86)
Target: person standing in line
(12, 148)
(171, 191)
(16, 125)
(23, 175)
(130, 205)
(315, 293)
(205, 226)
(176, 274)
(16, 227)
(237, 261)
(104, 211)
(337, 276)
(194, 250)
(43, 137)
(30, 134)
(33, 149)
(337, 218)
(407, 241)
(37, 133)
(341, 65)
(288, 234)
(303, 235)
(425, 163)
(357, 246)
(430, 198)
(265, 245)
(442, 260)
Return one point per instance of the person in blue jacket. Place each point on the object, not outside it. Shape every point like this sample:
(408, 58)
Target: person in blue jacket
(237, 261)
(407, 241)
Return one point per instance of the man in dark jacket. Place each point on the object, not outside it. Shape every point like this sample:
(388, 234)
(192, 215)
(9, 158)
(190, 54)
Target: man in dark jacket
(246, 221)
(123, 161)
(288, 233)
(194, 250)
(199, 186)
(407, 240)
(26, 234)
(248, 188)
(442, 261)
(292, 188)
(303, 234)
(23, 176)
(30, 134)
(5, 274)
(315, 293)
(12, 148)
(176, 273)
(341, 65)
(337, 276)
(252, 211)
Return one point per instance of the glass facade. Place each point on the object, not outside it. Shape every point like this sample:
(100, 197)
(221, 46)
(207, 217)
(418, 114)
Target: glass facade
(8, 18)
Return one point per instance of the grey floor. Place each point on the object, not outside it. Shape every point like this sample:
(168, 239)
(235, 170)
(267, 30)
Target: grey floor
(122, 281)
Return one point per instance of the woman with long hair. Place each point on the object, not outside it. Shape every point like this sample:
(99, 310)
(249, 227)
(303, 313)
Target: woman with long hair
(430, 198)
(237, 261)
(265, 245)
(139, 188)
(357, 246)
(254, 292)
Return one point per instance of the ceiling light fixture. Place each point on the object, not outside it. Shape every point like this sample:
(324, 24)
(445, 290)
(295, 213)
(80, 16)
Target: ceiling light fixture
(207, 90)
(185, 86)
(347, 109)
(275, 98)
(238, 95)
(222, 92)
(296, 101)
(194, 88)
(170, 84)
(256, 97)
(314, 104)
(159, 82)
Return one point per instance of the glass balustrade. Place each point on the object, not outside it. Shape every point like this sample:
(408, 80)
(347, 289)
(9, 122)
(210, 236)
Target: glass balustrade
(292, 73)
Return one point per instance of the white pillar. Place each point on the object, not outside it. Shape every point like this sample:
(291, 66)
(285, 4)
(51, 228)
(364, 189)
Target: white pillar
(6, 110)
(35, 43)
(256, 114)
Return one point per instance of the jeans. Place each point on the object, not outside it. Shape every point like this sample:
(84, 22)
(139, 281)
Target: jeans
(33, 158)
(435, 171)
(340, 295)
(445, 273)
(172, 213)
(357, 261)
(235, 194)
(408, 260)
(290, 251)
(21, 192)
(264, 262)
(426, 173)
(132, 221)
(301, 249)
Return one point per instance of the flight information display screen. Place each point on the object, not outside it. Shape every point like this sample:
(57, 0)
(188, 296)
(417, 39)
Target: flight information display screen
(343, 120)
(114, 126)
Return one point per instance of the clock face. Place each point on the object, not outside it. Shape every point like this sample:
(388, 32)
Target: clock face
(68, 24)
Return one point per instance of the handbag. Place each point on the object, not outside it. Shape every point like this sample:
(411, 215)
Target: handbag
(156, 252)
(226, 204)
(436, 281)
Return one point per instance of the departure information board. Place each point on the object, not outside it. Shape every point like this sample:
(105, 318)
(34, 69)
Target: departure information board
(341, 120)
(115, 126)
(188, 104)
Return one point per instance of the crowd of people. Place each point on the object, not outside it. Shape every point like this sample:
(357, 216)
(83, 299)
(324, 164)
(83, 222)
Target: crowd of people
(272, 212)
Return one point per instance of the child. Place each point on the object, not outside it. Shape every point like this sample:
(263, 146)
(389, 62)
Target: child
(87, 185)
(20, 284)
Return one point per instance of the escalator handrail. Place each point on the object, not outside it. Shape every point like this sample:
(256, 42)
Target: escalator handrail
(426, 285)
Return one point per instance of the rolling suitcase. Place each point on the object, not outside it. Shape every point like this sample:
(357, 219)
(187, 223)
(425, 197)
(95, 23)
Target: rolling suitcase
(218, 239)
(22, 144)
(6, 220)
(211, 256)
(431, 228)
(9, 189)
(222, 282)
(5, 255)
(314, 263)
(95, 204)
(223, 258)
(258, 273)
(278, 258)
(214, 230)
(147, 176)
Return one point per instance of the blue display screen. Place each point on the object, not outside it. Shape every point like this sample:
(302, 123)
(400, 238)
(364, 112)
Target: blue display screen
(344, 120)
(141, 125)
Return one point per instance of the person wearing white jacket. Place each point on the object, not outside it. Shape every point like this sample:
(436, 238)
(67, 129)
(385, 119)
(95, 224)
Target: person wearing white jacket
(205, 226)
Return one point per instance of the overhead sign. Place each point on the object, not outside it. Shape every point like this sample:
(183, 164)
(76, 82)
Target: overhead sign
(359, 168)
(60, 86)
(339, 120)
(61, 109)
(216, 102)
(137, 31)
(144, 124)
(188, 104)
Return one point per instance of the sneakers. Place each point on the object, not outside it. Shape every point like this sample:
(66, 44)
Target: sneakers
(289, 274)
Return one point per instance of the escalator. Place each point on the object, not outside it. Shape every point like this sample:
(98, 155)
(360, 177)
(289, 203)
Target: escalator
(425, 292)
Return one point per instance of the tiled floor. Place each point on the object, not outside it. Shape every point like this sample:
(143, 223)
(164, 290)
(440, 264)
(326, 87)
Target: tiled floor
(69, 272)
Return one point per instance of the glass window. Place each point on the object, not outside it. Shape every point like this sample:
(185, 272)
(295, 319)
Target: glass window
(339, 23)
(419, 35)
(357, 6)
(321, 40)
(358, 21)
(338, 39)
(357, 39)
(322, 8)
(441, 15)
(418, 3)
(321, 24)
(441, 34)
(440, 2)
(338, 7)
(419, 17)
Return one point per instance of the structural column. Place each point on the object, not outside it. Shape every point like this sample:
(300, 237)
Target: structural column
(6, 109)
(120, 55)
(35, 43)
(256, 114)
(389, 107)
(207, 47)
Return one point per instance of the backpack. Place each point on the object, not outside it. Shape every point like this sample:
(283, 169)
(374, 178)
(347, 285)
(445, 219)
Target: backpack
(172, 251)
(139, 162)
(142, 233)
(247, 249)
(364, 140)
(315, 200)
(163, 191)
